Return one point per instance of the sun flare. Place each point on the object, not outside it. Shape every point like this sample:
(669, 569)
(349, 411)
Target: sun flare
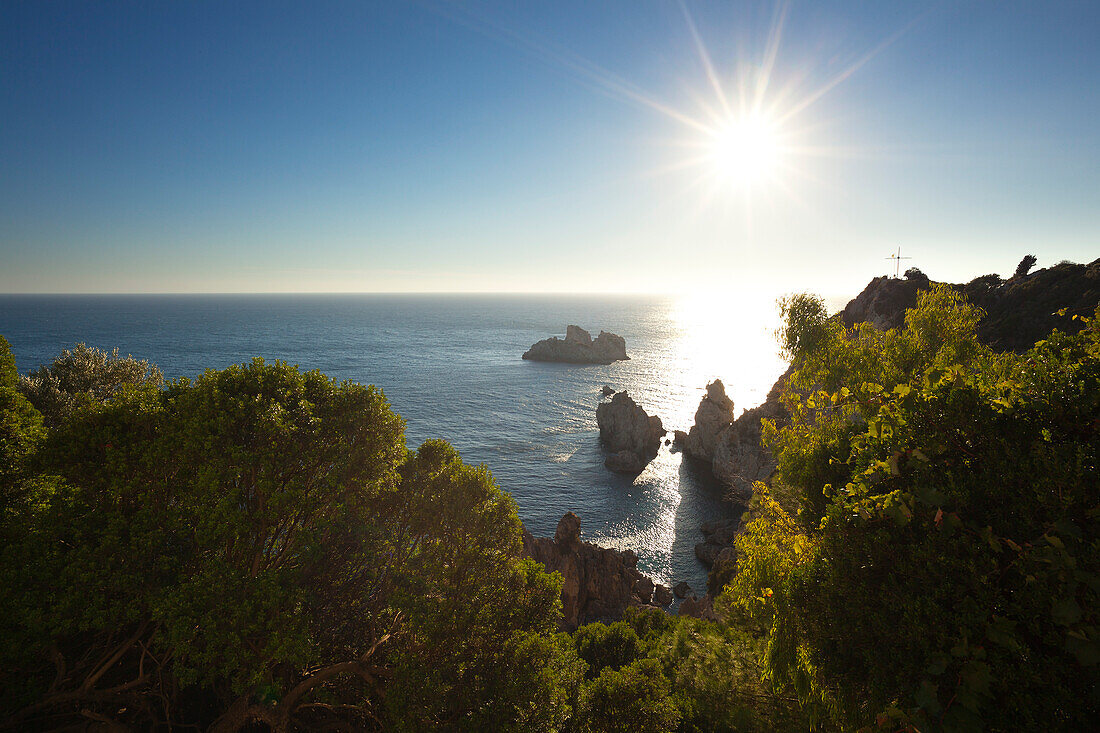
(745, 151)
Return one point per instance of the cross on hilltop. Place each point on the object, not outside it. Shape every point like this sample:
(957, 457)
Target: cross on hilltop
(897, 258)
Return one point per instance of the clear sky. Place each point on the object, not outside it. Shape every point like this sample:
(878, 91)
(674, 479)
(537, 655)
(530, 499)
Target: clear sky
(552, 146)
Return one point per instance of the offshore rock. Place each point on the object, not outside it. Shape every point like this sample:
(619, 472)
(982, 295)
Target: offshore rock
(628, 433)
(714, 415)
(599, 583)
(626, 462)
(662, 596)
(681, 589)
(578, 347)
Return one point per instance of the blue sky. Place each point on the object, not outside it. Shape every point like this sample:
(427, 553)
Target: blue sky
(424, 146)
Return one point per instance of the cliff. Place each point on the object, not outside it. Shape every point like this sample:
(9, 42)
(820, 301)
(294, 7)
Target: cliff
(598, 583)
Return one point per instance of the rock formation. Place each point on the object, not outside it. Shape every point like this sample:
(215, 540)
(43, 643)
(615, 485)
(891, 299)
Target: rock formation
(598, 583)
(739, 458)
(714, 415)
(1018, 311)
(698, 607)
(718, 534)
(630, 435)
(883, 302)
(578, 347)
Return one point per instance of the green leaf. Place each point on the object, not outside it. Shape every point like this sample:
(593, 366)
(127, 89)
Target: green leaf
(1066, 612)
(927, 697)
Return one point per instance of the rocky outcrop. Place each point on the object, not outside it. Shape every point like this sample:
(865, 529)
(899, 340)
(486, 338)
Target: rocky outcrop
(1018, 311)
(717, 536)
(578, 347)
(630, 435)
(598, 583)
(698, 608)
(714, 415)
(740, 459)
(1023, 310)
(681, 589)
(883, 302)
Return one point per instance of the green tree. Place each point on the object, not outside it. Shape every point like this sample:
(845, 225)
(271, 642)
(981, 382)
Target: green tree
(949, 571)
(83, 374)
(20, 432)
(258, 547)
(603, 646)
(634, 698)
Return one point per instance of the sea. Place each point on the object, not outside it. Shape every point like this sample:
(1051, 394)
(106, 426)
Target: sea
(451, 366)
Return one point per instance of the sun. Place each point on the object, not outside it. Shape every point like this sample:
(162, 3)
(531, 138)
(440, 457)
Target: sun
(745, 151)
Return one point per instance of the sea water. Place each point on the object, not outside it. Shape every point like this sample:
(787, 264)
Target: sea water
(450, 366)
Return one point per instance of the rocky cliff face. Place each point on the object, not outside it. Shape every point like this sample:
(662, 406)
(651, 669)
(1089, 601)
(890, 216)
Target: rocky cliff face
(598, 583)
(1022, 310)
(1018, 311)
(739, 458)
(630, 435)
(578, 347)
(883, 302)
(714, 415)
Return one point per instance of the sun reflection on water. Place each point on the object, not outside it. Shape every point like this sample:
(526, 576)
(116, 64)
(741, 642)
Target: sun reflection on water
(728, 336)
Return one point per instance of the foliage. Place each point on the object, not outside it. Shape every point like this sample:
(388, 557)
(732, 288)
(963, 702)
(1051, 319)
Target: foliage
(662, 672)
(83, 374)
(946, 570)
(804, 324)
(1025, 266)
(257, 546)
(634, 698)
(607, 647)
(20, 432)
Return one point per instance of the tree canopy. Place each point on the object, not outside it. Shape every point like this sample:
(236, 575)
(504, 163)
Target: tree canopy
(943, 568)
(258, 546)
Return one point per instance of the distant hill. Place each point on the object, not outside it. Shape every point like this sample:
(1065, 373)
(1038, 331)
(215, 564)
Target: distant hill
(1019, 311)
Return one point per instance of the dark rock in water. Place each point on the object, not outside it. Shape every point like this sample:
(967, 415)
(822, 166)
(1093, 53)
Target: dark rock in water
(681, 589)
(607, 391)
(723, 570)
(718, 536)
(679, 437)
(698, 608)
(714, 415)
(643, 590)
(625, 462)
(598, 583)
(662, 595)
(632, 436)
(721, 531)
(578, 347)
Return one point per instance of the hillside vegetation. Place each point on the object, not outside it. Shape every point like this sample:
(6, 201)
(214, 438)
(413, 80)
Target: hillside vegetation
(257, 549)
